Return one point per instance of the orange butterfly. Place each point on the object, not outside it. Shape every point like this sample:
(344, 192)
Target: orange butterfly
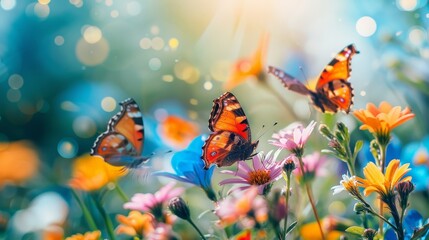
(231, 138)
(333, 91)
(122, 143)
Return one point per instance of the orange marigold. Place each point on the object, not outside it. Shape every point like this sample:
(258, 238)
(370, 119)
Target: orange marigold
(91, 173)
(380, 121)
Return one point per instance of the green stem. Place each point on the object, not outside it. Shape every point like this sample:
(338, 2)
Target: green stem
(107, 220)
(196, 228)
(121, 193)
(286, 205)
(383, 148)
(310, 196)
(398, 222)
(85, 211)
(370, 210)
(350, 160)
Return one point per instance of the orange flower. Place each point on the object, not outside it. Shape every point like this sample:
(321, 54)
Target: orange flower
(248, 67)
(380, 121)
(135, 223)
(95, 235)
(384, 185)
(177, 132)
(18, 162)
(311, 230)
(91, 173)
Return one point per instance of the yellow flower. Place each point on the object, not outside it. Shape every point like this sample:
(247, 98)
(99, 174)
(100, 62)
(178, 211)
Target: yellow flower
(135, 223)
(18, 162)
(384, 185)
(95, 235)
(248, 67)
(91, 173)
(380, 121)
(310, 231)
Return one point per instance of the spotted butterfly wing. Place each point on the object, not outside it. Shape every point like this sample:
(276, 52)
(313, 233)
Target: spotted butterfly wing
(122, 143)
(231, 138)
(333, 91)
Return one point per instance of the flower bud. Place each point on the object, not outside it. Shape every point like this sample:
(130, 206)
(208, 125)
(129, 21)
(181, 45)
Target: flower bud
(289, 166)
(369, 234)
(342, 128)
(179, 208)
(404, 189)
(325, 131)
(359, 208)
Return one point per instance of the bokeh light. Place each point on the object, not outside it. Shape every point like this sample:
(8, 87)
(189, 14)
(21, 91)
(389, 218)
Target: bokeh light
(145, 43)
(155, 64)
(67, 148)
(173, 43)
(157, 43)
(41, 10)
(133, 8)
(7, 4)
(92, 34)
(417, 36)
(13, 95)
(92, 54)
(366, 26)
(407, 5)
(16, 81)
(59, 40)
(44, 2)
(84, 127)
(108, 104)
(186, 72)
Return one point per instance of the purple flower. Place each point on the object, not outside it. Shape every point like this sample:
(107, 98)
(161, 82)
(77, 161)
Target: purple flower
(313, 166)
(293, 137)
(263, 172)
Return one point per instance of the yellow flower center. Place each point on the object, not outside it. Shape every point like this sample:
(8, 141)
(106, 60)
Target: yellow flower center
(259, 177)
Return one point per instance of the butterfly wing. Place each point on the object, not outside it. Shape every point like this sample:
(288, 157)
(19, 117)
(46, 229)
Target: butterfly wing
(333, 88)
(122, 143)
(288, 81)
(227, 115)
(339, 67)
(224, 148)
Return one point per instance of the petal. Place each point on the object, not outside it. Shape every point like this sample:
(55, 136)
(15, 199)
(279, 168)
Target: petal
(233, 180)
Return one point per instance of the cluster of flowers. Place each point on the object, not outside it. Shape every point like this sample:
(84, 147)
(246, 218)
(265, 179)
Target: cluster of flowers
(254, 209)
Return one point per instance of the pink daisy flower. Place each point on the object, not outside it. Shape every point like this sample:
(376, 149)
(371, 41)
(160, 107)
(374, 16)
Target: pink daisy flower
(293, 137)
(246, 207)
(264, 171)
(313, 166)
(154, 203)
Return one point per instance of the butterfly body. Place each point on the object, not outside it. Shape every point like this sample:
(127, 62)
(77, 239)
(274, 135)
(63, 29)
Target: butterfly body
(122, 143)
(231, 138)
(333, 92)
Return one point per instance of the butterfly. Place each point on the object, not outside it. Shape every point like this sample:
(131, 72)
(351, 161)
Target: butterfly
(122, 143)
(231, 138)
(333, 91)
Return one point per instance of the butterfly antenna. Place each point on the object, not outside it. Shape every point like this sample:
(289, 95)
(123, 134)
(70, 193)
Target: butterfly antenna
(260, 134)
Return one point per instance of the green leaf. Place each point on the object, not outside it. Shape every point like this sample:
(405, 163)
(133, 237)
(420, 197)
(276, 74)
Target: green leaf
(355, 230)
(358, 147)
(335, 154)
(420, 232)
(291, 227)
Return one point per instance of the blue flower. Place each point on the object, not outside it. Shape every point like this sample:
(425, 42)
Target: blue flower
(417, 154)
(412, 222)
(393, 151)
(189, 167)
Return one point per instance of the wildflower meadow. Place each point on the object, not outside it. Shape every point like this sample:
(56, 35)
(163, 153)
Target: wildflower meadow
(142, 119)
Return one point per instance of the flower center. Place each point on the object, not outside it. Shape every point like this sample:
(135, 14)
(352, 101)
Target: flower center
(259, 177)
